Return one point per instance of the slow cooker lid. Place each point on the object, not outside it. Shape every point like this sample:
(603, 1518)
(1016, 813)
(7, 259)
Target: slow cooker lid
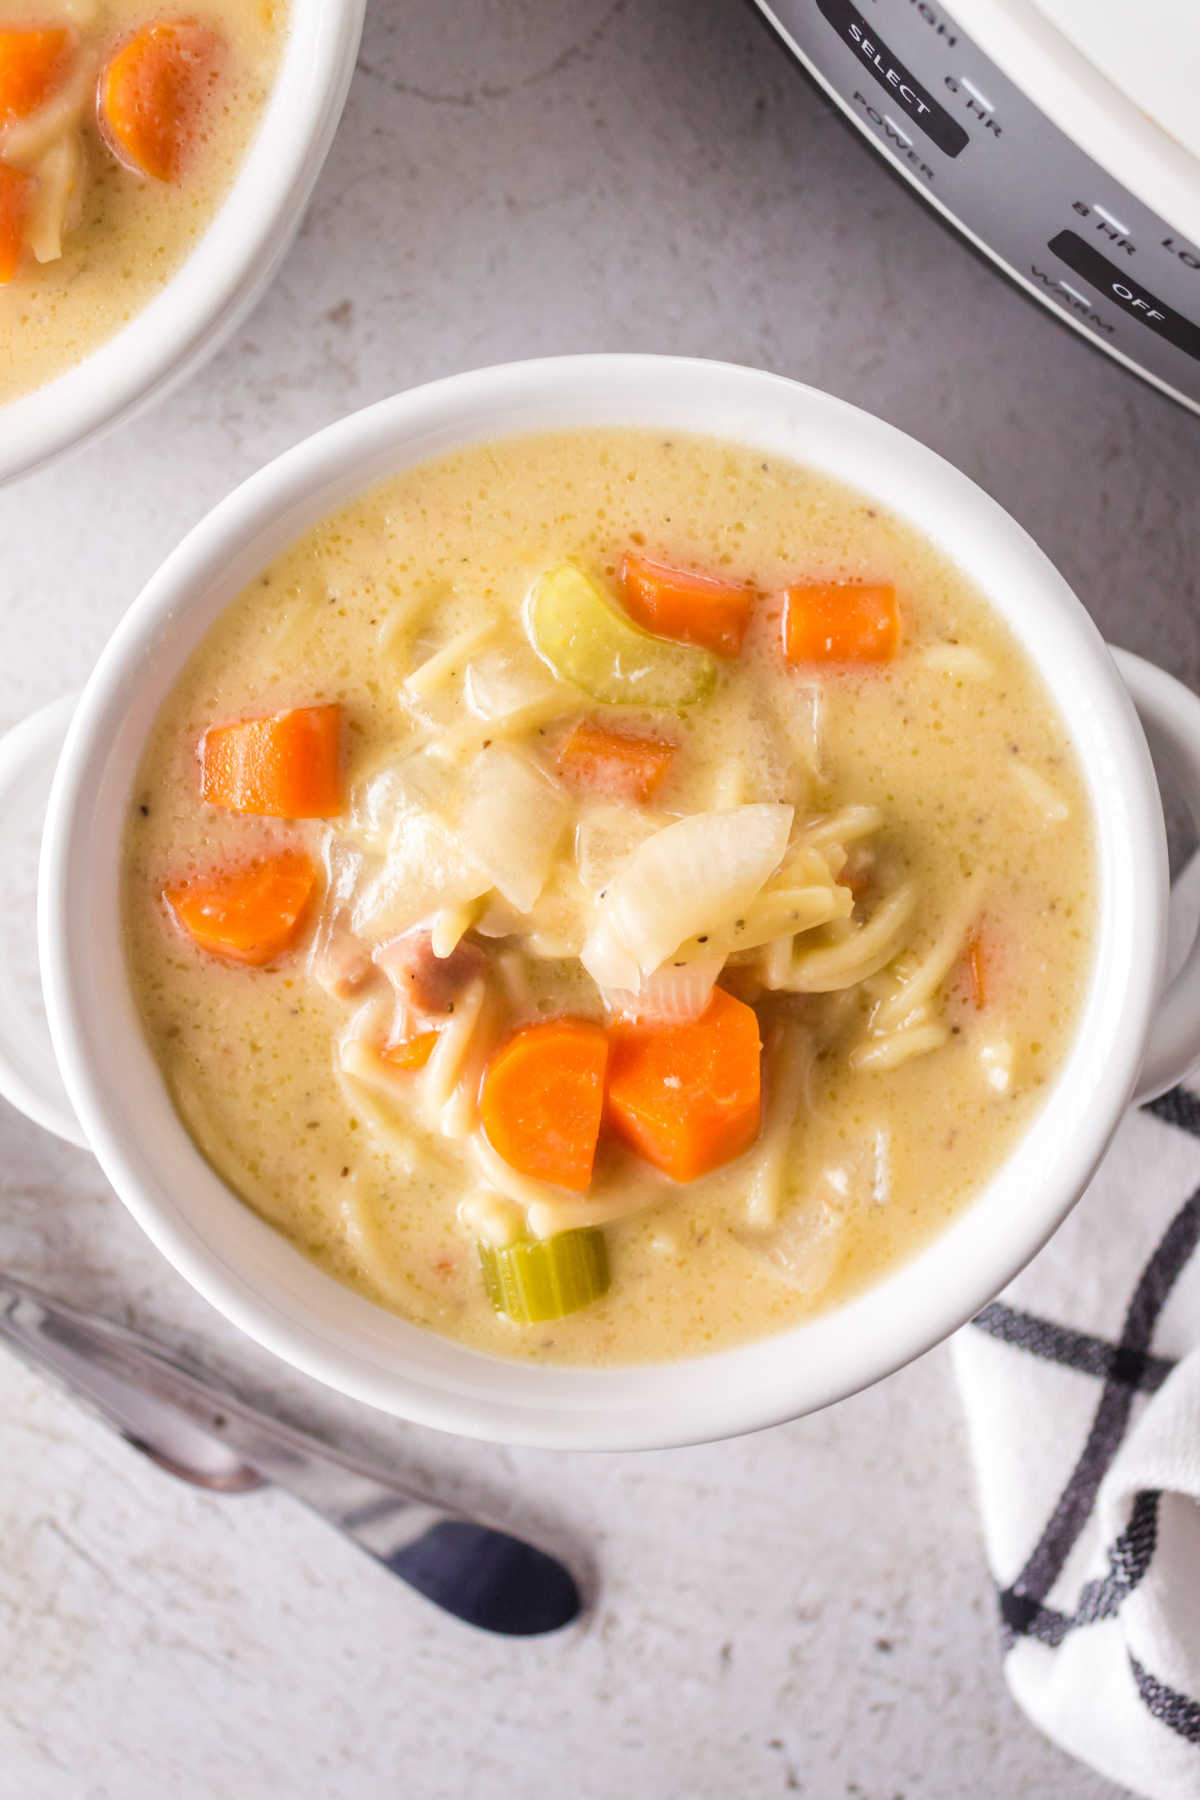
(1149, 51)
(1111, 74)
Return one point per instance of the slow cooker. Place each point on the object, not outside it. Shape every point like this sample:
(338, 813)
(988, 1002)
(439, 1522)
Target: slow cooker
(1062, 137)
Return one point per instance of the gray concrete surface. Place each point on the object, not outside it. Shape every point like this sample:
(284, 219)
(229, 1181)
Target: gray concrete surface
(803, 1612)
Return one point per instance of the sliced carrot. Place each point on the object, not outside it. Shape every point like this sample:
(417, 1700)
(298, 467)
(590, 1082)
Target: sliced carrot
(542, 1100)
(676, 603)
(833, 621)
(154, 92)
(687, 1097)
(16, 200)
(411, 1052)
(975, 961)
(249, 914)
(286, 766)
(34, 63)
(628, 765)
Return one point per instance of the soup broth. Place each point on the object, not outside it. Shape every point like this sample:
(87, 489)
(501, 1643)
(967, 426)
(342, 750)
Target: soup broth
(828, 781)
(92, 223)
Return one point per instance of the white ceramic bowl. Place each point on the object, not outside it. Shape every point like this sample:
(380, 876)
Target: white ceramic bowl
(231, 266)
(251, 1274)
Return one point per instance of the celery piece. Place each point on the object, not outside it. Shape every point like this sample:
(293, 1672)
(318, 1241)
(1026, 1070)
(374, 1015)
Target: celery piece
(545, 1278)
(587, 641)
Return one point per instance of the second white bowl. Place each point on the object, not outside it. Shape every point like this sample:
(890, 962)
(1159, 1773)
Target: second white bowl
(224, 277)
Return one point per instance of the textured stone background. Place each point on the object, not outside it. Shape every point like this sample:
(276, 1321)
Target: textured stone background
(806, 1611)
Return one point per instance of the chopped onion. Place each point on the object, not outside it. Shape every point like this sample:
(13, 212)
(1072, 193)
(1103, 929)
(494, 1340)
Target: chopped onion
(1047, 802)
(690, 878)
(605, 836)
(426, 869)
(337, 959)
(382, 805)
(674, 994)
(491, 1217)
(607, 960)
(500, 682)
(443, 665)
(511, 822)
(996, 1058)
(804, 1249)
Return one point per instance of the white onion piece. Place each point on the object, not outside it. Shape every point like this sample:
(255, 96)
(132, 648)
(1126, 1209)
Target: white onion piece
(491, 1217)
(996, 1058)
(377, 805)
(605, 836)
(426, 869)
(337, 959)
(690, 878)
(382, 805)
(444, 665)
(511, 823)
(499, 682)
(1046, 800)
(608, 962)
(804, 1250)
(674, 994)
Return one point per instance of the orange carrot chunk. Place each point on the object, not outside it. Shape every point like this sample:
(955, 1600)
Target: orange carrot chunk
(16, 199)
(411, 1052)
(840, 622)
(286, 766)
(675, 603)
(154, 93)
(33, 66)
(627, 765)
(542, 1100)
(687, 1097)
(249, 914)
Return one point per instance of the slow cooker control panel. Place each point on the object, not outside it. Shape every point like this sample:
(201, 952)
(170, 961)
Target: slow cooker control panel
(911, 79)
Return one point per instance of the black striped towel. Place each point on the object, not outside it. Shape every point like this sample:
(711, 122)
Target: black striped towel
(1082, 1392)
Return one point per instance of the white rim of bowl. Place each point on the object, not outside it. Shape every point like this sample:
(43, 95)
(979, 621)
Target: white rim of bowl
(443, 1384)
(223, 278)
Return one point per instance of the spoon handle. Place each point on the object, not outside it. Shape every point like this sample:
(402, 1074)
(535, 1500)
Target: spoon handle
(187, 1424)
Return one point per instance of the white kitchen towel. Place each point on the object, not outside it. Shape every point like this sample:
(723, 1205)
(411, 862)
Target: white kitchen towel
(1082, 1392)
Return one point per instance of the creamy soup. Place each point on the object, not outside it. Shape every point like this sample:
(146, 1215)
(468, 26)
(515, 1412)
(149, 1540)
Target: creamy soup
(606, 896)
(122, 125)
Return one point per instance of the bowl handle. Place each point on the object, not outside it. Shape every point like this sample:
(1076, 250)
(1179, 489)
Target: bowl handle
(29, 1076)
(1170, 715)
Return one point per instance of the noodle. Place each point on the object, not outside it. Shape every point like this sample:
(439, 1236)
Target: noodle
(862, 953)
(934, 966)
(404, 617)
(463, 740)
(1047, 802)
(843, 826)
(896, 1047)
(957, 659)
(449, 923)
(789, 1054)
(378, 1260)
(442, 1071)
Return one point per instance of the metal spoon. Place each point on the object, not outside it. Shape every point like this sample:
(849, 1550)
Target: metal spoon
(180, 1420)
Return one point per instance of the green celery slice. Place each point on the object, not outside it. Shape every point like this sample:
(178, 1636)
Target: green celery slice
(536, 1279)
(587, 641)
